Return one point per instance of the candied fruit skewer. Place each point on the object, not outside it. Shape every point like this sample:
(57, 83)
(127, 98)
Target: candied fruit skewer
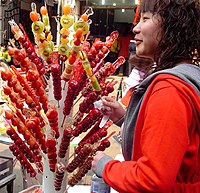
(80, 157)
(22, 129)
(33, 76)
(89, 72)
(73, 55)
(75, 85)
(30, 98)
(69, 63)
(104, 72)
(81, 28)
(45, 19)
(16, 138)
(14, 81)
(52, 116)
(23, 160)
(66, 21)
(41, 30)
(65, 142)
(88, 102)
(111, 38)
(87, 122)
(95, 55)
(33, 125)
(85, 165)
(23, 81)
(24, 148)
(19, 104)
(94, 135)
(99, 50)
(26, 44)
(29, 128)
(109, 68)
(51, 151)
(59, 175)
(56, 78)
(80, 172)
(33, 55)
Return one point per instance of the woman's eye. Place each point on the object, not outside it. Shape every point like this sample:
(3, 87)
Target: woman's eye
(145, 18)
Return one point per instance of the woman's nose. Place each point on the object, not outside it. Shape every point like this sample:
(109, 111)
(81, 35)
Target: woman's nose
(136, 29)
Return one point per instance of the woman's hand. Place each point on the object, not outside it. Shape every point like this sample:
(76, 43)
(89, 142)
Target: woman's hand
(96, 159)
(112, 108)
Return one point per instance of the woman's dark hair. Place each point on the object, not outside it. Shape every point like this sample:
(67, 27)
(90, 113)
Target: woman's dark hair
(140, 63)
(181, 30)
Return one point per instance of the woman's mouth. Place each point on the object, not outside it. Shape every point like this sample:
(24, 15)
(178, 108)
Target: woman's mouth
(137, 41)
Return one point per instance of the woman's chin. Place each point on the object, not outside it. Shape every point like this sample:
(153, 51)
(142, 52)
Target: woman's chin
(142, 54)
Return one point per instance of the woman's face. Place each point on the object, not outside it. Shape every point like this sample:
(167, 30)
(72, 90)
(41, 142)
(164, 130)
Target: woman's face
(148, 34)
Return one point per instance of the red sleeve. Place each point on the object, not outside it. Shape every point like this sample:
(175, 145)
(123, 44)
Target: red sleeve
(164, 140)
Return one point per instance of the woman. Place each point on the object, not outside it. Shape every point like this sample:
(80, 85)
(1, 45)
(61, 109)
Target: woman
(140, 69)
(123, 46)
(161, 133)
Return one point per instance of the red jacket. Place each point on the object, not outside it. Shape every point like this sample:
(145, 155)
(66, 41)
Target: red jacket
(166, 153)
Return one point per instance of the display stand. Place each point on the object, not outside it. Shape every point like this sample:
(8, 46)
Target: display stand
(39, 138)
(48, 176)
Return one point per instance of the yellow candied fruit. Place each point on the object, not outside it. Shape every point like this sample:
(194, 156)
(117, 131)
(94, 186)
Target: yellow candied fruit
(64, 40)
(49, 37)
(43, 10)
(84, 17)
(43, 44)
(34, 16)
(79, 33)
(93, 78)
(64, 31)
(48, 28)
(66, 9)
(89, 71)
(71, 42)
(82, 38)
(40, 36)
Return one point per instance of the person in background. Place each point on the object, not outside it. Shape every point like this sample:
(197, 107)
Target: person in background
(4, 56)
(161, 132)
(132, 51)
(123, 44)
(141, 67)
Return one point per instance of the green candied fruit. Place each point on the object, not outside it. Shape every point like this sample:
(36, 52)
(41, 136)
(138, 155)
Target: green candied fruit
(45, 19)
(83, 25)
(51, 45)
(68, 51)
(46, 52)
(66, 21)
(37, 27)
(63, 49)
(96, 86)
